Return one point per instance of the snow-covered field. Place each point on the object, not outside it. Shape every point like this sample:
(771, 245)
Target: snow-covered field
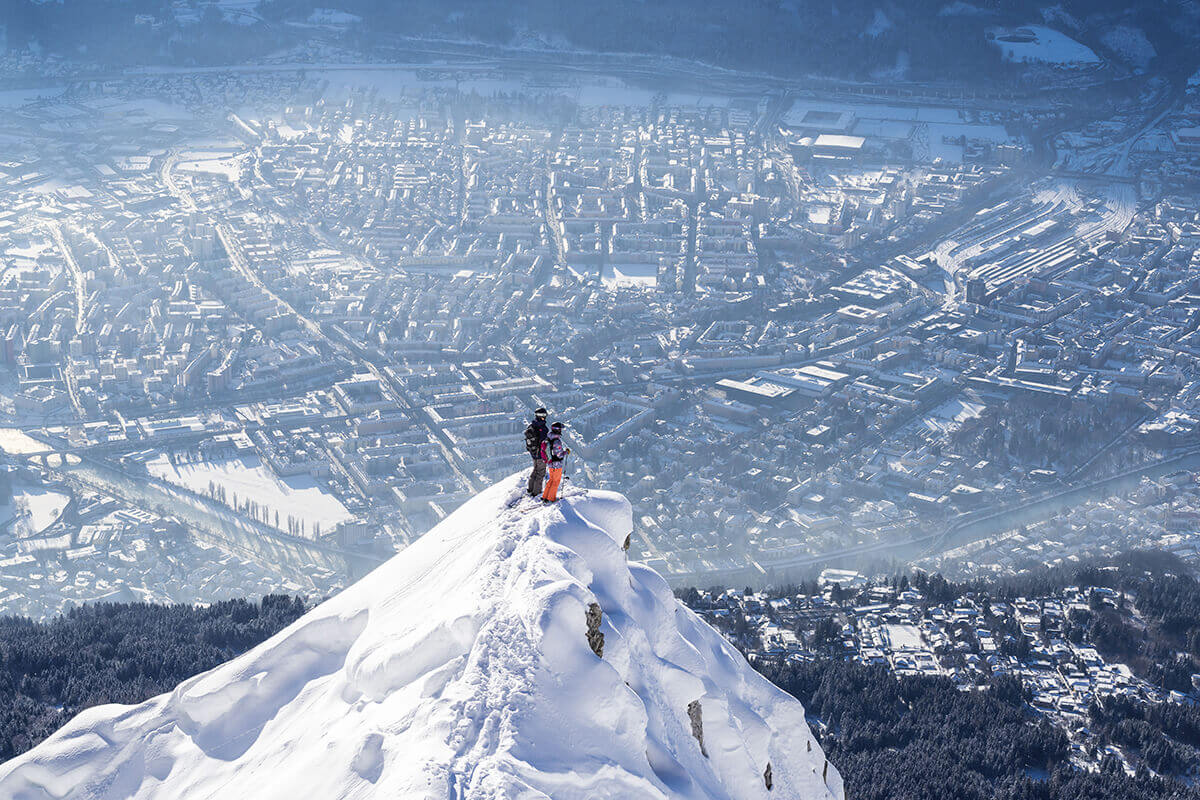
(904, 637)
(631, 275)
(462, 668)
(1037, 44)
(228, 167)
(33, 508)
(951, 414)
(248, 478)
(16, 442)
(933, 131)
(43, 506)
(943, 139)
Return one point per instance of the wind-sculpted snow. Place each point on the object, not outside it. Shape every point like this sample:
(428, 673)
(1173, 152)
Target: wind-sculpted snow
(462, 668)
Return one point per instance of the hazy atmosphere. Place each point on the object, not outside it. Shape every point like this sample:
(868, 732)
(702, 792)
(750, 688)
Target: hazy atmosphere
(872, 327)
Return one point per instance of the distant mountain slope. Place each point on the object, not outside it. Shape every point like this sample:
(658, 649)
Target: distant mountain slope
(917, 40)
(508, 653)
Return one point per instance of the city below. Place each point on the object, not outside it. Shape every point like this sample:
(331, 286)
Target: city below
(869, 332)
(264, 326)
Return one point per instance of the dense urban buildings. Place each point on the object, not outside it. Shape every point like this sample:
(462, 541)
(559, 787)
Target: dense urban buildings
(885, 318)
(265, 325)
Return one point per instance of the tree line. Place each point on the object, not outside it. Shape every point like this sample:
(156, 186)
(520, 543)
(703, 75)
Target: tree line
(903, 737)
(920, 738)
(118, 653)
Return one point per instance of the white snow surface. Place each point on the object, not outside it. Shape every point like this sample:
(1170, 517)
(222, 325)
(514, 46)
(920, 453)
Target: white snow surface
(1045, 45)
(247, 478)
(460, 669)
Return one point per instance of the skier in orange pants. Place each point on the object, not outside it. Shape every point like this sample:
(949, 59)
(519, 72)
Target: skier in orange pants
(555, 456)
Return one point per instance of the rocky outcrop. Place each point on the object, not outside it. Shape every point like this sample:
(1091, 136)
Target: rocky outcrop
(595, 638)
(694, 717)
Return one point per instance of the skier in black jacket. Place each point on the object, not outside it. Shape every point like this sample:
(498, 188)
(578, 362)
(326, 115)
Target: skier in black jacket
(535, 434)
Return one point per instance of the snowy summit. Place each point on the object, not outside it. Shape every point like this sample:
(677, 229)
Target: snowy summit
(510, 652)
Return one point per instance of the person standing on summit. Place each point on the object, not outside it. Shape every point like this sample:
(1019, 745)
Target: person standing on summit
(554, 454)
(535, 435)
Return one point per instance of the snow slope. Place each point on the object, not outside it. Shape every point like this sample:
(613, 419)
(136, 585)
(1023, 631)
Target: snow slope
(1039, 44)
(461, 668)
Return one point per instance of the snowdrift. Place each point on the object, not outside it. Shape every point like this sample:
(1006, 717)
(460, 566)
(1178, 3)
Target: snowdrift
(508, 653)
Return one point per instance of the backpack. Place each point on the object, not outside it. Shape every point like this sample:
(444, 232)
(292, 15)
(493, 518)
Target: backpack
(533, 441)
(548, 452)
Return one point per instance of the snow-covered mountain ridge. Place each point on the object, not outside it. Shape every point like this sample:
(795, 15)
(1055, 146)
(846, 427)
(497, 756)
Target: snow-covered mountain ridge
(508, 653)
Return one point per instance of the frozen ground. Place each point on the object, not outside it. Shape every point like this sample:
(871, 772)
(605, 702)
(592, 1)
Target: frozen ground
(248, 478)
(462, 669)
